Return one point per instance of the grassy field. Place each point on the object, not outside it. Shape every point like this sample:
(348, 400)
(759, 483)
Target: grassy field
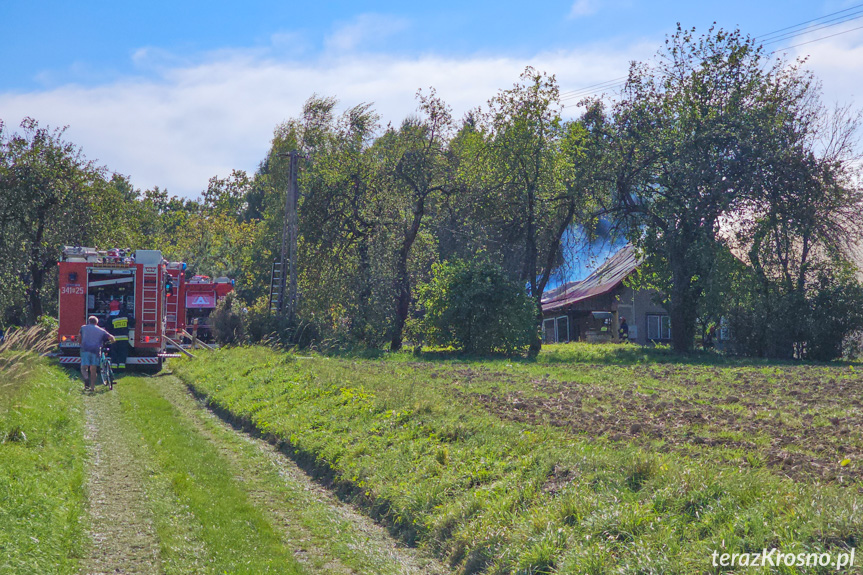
(42, 452)
(144, 479)
(592, 459)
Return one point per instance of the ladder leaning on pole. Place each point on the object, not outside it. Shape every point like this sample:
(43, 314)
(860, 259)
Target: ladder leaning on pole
(277, 286)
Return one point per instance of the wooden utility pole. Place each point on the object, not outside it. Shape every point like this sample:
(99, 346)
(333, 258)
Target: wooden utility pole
(293, 198)
(289, 242)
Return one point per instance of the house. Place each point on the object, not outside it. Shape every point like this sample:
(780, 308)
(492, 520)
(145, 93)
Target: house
(590, 309)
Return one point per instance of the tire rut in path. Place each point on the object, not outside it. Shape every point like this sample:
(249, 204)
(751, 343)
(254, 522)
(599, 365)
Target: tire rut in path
(122, 535)
(370, 538)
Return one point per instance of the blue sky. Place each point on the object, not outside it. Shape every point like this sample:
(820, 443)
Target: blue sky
(172, 93)
(56, 42)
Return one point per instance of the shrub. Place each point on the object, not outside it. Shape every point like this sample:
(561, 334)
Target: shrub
(474, 306)
(47, 322)
(837, 314)
(228, 321)
(260, 323)
(263, 326)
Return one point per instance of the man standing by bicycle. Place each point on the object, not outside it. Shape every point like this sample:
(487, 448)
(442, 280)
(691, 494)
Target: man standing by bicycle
(91, 337)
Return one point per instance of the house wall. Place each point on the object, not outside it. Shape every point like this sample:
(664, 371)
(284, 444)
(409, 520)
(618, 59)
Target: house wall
(635, 306)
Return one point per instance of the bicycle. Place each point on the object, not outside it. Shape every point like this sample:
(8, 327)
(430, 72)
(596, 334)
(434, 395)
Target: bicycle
(105, 370)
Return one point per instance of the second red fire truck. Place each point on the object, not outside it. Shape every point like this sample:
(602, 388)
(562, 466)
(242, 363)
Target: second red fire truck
(191, 301)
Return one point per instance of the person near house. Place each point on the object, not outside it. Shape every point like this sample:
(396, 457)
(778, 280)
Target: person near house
(623, 330)
(91, 337)
(118, 326)
(707, 342)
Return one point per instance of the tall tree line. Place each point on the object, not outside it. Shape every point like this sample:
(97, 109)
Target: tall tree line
(719, 164)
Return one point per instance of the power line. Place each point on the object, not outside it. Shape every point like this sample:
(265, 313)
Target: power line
(807, 22)
(810, 29)
(822, 23)
(592, 92)
(600, 85)
(818, 39)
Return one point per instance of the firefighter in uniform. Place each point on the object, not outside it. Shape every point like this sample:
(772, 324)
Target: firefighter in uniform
(118, 326)
(623, 330)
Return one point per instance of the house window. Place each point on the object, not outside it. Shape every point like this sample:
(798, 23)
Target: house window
(658, 327)
(548, 332)
(555, 330)
(724, 330)
(562, 329)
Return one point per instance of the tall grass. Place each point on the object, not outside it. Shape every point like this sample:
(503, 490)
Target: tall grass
(42, 457)
(20, 343)
(17, 349)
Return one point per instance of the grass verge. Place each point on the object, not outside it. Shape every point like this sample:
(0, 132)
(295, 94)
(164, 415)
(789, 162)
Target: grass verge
(230, 534)
(42, 452)
(327, 536)
(495, 494)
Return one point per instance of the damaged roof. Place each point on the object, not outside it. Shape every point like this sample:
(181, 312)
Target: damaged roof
(603, 279)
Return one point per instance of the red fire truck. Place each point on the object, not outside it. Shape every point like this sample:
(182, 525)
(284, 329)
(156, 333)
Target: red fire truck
(94, 282)
(193, 300)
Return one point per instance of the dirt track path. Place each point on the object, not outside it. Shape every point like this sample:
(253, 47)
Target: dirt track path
(323, 533)
(122, 533)
(303, 511)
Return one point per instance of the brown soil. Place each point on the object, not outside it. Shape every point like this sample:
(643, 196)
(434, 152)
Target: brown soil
(801, 421)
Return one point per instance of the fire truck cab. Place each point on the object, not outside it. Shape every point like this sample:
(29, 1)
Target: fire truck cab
(96, 282)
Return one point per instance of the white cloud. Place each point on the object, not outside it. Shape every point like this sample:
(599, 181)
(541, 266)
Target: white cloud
(837, 62)
(584, 8)
(194, 121)
(189, 120)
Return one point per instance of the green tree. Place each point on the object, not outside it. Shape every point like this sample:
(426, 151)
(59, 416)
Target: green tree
(345, 222)
(542, 180)
(692, 137)
(797, 234)
(422, 171)
(475, 306)
(50, 197)
(228, 196)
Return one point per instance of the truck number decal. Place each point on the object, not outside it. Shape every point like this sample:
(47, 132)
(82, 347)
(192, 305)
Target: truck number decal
(73, 290)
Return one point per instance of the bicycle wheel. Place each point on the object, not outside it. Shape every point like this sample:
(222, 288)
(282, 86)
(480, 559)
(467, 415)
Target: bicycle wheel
(105, 373)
